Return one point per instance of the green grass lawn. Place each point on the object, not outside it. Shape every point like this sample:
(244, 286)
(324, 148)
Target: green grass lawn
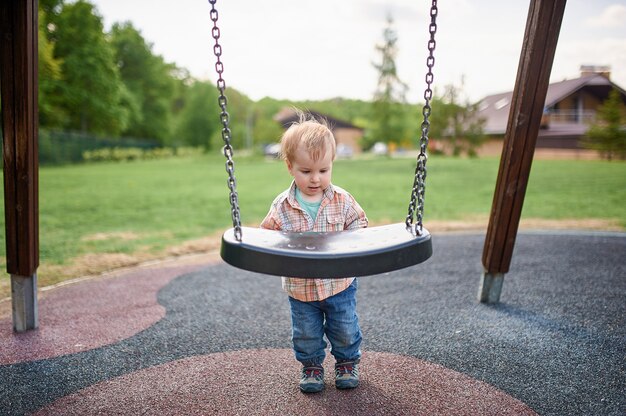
(148, 206)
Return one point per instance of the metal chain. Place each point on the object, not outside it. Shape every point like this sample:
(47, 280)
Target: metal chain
(416, 206)
(225, 119)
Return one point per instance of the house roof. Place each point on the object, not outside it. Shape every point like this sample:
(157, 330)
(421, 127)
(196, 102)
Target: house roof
(288, 115)
(495, 108)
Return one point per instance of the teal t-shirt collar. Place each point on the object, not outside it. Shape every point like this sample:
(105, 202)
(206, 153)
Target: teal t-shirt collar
(311, 208)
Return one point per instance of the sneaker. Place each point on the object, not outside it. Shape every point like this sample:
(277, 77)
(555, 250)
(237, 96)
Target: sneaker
(312, 380)
(346, 375)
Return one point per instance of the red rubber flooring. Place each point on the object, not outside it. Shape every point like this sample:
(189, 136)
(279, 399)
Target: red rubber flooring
(263, 382)
(90, 314)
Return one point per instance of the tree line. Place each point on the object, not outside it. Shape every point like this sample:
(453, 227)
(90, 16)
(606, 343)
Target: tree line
(112, 84)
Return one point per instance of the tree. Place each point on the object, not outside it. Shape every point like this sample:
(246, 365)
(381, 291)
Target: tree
(50, 10)
(388, 121)
(456, 121)
(199, 117)
(149, 83)
(241, 119)
(608, 133)
(91, 91)
(50, 113)
(266, 130)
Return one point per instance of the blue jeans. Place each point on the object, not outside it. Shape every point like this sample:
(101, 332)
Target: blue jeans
(334, 316)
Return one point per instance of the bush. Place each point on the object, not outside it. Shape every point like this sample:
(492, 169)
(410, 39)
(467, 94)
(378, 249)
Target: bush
(126, 154)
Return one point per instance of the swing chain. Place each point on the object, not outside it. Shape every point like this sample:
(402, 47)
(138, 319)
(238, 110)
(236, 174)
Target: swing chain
(225, 119)
(416, 206)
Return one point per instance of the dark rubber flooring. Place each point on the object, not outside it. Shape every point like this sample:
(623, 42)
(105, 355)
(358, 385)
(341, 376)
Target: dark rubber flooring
(215, 340)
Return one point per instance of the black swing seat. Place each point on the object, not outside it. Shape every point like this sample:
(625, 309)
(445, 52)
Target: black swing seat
(360, 252)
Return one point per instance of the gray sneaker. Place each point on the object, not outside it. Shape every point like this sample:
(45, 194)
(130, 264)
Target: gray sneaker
(312, 380)
(346, 375)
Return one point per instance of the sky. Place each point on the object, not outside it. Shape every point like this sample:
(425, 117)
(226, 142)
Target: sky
(321, 49)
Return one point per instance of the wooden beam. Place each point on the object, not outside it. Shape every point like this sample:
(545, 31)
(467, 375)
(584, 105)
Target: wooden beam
(528, 100)
(18, 80)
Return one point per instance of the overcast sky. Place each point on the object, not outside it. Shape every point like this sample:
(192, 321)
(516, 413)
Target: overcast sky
(318, 49)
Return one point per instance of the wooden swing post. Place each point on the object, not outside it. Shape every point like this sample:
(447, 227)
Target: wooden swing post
(529, 96)
(18, 80)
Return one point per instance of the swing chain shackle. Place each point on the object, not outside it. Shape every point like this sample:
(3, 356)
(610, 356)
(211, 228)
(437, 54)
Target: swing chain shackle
(416, 206)
(225, 119)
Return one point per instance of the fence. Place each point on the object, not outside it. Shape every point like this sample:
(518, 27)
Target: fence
(60, 147)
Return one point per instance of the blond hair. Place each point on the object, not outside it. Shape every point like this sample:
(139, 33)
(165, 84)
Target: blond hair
(311, 133)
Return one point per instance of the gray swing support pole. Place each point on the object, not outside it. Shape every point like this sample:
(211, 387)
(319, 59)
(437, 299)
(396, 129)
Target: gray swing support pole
(529, 95)
(18, 80)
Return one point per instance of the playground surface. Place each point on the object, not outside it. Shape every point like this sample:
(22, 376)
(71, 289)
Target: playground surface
(201, 337)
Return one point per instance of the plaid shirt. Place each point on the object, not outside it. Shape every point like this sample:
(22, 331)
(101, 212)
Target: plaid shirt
(338, 211)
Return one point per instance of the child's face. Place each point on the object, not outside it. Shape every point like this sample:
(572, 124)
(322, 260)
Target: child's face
(311, 176)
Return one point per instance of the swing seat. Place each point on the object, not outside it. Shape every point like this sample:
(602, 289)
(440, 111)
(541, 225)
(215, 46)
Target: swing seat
(350, 253)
